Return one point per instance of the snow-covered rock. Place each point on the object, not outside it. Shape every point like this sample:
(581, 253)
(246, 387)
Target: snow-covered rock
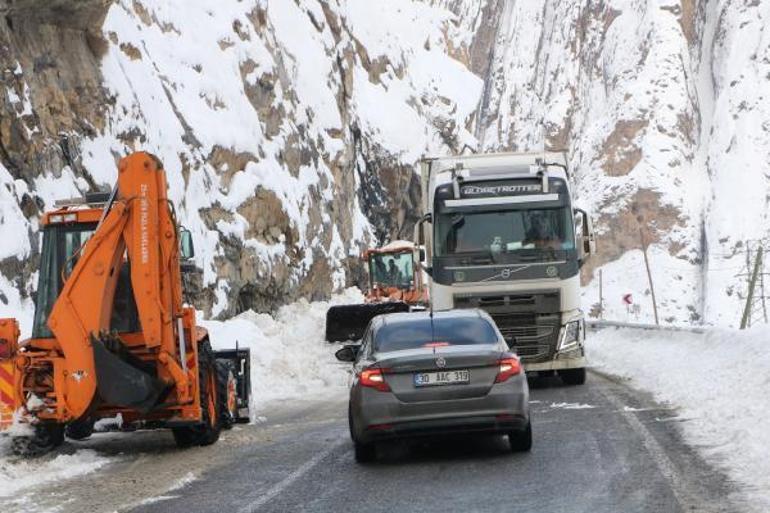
(289, 129)
(660, 108)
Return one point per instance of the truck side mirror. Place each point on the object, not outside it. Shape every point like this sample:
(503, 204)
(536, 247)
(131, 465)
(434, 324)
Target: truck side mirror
(586, 239)
(186, 246)
(418, 242)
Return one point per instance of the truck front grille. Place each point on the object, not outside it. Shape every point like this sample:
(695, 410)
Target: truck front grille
(532, 353)
(530, 331)
(532, 342)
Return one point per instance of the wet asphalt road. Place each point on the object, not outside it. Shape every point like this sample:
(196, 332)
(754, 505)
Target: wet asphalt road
(601, 447)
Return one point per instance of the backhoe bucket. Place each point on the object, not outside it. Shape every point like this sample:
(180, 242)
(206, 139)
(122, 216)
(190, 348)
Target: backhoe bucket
(349, 322)
(121, 384)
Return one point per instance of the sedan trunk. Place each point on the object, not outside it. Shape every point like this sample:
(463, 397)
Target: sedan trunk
(403, 367)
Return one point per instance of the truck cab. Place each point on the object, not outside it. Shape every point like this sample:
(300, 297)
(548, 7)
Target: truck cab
(501, 233)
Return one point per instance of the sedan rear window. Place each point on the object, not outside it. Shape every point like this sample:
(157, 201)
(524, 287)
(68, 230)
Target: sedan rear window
(411, 334)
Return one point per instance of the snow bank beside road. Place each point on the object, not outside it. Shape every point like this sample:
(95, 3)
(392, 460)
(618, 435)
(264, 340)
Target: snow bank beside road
(289, 357)
(17, 475)
(720, 382)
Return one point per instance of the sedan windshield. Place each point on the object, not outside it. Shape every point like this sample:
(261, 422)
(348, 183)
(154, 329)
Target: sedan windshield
(504, 231)
(440, 331)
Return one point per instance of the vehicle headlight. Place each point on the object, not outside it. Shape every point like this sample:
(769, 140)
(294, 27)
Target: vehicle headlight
(570, 335)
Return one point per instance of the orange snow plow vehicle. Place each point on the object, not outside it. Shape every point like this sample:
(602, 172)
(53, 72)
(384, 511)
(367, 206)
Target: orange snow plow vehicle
(111, 334)
(395, 285)
(9, 340)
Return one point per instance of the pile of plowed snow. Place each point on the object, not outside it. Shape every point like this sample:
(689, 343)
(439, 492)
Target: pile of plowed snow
(18, 474)
(719, 380)
(289, 356)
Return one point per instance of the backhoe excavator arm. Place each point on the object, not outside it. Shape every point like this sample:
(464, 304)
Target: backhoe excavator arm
(138, 225)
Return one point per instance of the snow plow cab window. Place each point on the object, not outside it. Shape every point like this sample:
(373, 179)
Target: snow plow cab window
(398, 335)
(389, 270)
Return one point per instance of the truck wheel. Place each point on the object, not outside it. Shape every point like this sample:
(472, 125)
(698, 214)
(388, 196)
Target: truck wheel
(521, 441)
(207, 431)
(79, 429)
(228, 396)
(573, 376)
(44, 439)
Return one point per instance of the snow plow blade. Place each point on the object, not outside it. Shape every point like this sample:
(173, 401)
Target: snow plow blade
(348, 322)
(239, 362)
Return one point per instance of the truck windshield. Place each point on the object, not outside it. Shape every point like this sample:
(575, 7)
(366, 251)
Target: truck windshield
(504, 231)
(392, 270)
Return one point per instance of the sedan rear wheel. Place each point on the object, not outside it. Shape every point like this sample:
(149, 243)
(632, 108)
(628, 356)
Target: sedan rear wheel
(365, 453)
(521, 441)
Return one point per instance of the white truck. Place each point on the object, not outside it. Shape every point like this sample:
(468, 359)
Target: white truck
(500, 233)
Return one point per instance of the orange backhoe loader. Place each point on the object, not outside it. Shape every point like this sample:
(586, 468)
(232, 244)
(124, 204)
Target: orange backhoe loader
(394, 286)
(111, 334)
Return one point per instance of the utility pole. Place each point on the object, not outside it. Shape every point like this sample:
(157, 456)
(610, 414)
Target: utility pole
(601, 297)
(752, 285)
(762, 296)
(749, 265)
(649, 276)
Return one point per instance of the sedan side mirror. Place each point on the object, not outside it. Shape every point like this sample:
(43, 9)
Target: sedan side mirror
(347, 353)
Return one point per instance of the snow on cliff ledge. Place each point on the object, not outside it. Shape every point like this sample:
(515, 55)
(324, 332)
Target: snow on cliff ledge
(288, 130)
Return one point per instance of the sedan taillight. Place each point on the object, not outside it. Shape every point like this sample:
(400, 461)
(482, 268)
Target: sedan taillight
(373, 378)
(508, 367)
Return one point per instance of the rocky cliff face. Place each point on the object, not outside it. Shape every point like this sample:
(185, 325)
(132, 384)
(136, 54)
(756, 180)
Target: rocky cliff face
(661, 109)
(289, 129)
(52, 97)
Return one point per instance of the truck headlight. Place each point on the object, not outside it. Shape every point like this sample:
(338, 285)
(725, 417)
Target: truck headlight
(570, 335)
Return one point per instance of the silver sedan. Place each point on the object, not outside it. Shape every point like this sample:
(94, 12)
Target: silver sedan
(423, 374)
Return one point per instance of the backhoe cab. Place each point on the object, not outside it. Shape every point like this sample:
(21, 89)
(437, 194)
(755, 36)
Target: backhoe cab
(111, 334)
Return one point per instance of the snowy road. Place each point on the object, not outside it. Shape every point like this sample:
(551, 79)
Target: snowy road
(598, 448)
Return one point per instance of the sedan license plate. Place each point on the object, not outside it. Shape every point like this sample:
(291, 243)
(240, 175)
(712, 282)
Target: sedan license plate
(451, 377)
